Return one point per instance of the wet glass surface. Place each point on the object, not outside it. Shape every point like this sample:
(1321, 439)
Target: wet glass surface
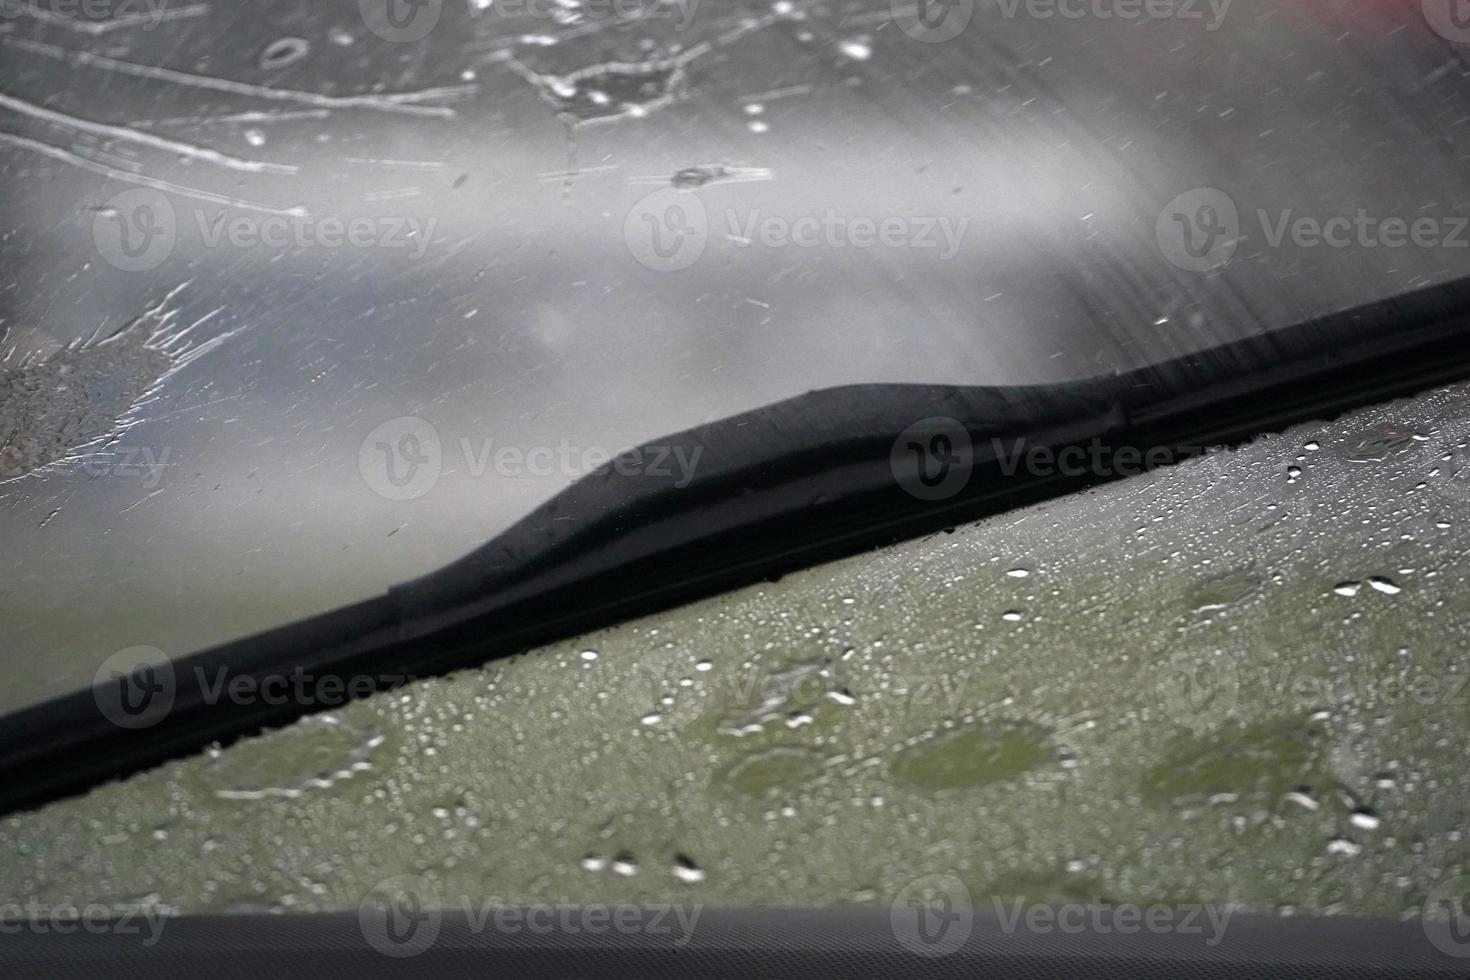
(326, 263)
(1238, 681)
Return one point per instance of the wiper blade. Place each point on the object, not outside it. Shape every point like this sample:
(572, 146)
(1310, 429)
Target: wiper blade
(802, 481)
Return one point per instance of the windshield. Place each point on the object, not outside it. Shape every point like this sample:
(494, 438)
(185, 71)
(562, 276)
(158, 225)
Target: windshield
(1224, 683)
(648, 395)
(374, 293)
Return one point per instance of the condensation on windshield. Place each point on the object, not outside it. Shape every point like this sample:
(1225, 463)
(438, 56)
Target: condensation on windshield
(1238, 680)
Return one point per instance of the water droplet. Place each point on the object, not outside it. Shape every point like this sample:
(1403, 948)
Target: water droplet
(1344, 847)
(612, 90)
(1365, 819)
(1347, 588)
(1377, 444)
(594, 862)
(625, 865)
(283, 52)
(1385, 585)
(1011, 615)
(1019, 572)
(1223, 590)
(974, 756)
(772, 771)
(588, 655)
(315, 753)
(858, 49)
(1303, 799)
(686, 870)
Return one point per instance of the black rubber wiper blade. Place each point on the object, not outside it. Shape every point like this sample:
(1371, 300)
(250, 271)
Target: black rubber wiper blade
(782, 487)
